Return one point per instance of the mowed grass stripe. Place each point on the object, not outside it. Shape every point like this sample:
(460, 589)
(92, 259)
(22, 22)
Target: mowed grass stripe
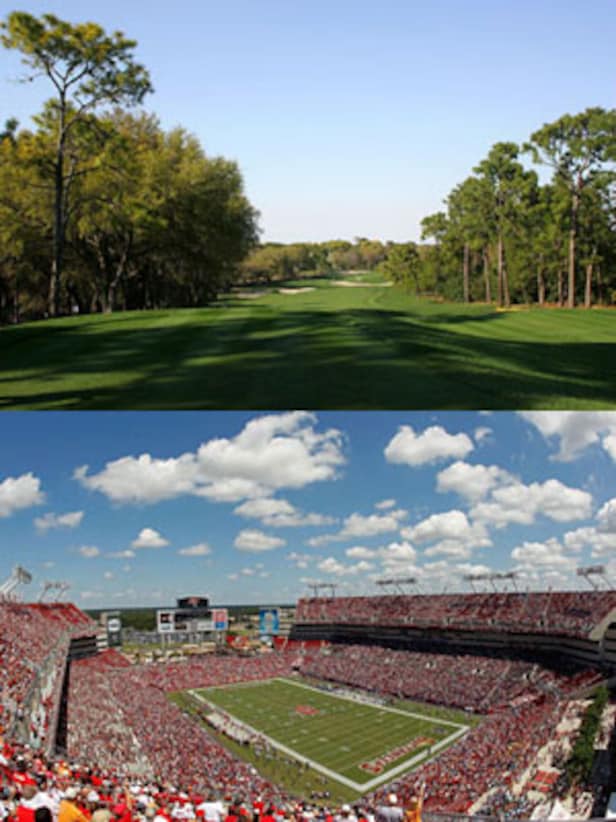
(342, 736)
(333, 347)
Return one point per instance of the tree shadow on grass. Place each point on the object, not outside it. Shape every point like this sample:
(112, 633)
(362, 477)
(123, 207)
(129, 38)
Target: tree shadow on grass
(305, 358)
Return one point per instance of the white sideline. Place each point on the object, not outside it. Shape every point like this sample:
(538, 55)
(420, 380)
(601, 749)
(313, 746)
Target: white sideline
(360, 787)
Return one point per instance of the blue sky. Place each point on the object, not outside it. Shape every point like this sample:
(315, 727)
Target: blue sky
(139, 508)
(353, 118)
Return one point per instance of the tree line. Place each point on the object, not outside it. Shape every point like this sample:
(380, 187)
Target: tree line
(275, 262)
(509, 237)
(100, 208)
(505, 234)
(579, 766)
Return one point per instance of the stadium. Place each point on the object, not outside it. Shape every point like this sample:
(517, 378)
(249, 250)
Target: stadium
(474, 702)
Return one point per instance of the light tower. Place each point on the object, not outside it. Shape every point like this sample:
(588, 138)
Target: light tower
(323, 586)
(60, 587)
(590, 571)
(19, 576)
(398, 583)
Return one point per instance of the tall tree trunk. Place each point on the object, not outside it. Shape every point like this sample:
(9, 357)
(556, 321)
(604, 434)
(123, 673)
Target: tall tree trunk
(599, 286)
(59, 224)
(506, 297)
(486, 275)
(588, 286)
(57, 261)
(561, 300)
(117, 278)
(575, 203)
(466, 273)
(16, 294)
(500, 255)
(540, 286)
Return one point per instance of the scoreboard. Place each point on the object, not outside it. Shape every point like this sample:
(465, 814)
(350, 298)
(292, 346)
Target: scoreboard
(191, 620)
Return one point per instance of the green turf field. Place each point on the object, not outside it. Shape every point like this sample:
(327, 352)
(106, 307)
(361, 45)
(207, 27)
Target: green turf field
(335, 735)
(329, 348)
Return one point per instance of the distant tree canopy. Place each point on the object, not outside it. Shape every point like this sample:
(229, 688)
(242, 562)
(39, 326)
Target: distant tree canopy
(99, 207)
(276, 261)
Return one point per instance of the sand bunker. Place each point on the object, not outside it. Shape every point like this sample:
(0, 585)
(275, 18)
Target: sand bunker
(250, 295)
(352, 284)
(295, 290)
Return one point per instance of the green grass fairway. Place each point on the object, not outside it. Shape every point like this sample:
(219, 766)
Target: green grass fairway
(336, 735)
(330, 348)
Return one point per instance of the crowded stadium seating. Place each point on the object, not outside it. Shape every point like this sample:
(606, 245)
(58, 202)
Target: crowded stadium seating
(477, 683)
(568, 613)
(130, 743)
(34, 645)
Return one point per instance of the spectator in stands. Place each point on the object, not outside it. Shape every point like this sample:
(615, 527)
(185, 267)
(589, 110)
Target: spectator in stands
(69, 810)
(391, 811)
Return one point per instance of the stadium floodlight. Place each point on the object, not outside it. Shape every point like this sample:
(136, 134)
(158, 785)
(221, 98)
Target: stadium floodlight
(473, 578)
(590, 571)
(397, 583)
(60, 587)
(323, 586)
(19, 576)
(492, 578)
(508, 576)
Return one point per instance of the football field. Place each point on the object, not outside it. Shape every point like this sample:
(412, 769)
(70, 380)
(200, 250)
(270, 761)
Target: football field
(357, 744)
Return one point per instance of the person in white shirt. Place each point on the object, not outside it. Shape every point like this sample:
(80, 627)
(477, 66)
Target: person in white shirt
(213, 809)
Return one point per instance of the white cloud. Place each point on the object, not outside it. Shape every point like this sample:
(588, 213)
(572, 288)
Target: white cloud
(89, 551)
(398, 558)
(254, 541)
(609, 443)
(48, 521)
(601, 538)
(431, 445)
(126, 554)
(543, 555)
(385, 504)
(601, 544)
(606, 517)
(271, 452)
(331, 565)
(19, 492)
(299, 560)
(357, 525)
(521, 503)
(359, 552)
(202, 549)
(451, 534)
(278, 513)
(481, 433)
(447, 525)
(108, 575)
(575, 430)
(472, 482)
(149, 538)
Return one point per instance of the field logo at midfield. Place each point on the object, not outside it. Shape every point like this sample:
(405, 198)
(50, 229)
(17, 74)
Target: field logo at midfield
(377, 765)
(306, 710)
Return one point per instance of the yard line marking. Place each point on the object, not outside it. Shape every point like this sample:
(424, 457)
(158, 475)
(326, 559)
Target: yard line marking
(424, 756)
(383, 708)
